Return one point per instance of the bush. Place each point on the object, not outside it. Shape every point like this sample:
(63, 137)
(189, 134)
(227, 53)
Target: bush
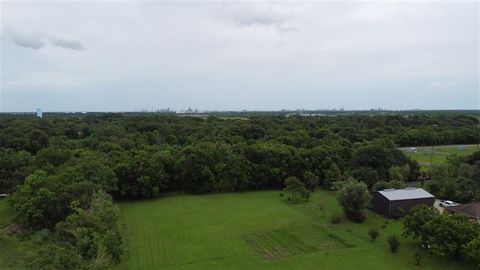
(296, 188)
(399, 213)
(393, 243)
(55, 256)
(373, 233)
(93, 232)
(336, 218)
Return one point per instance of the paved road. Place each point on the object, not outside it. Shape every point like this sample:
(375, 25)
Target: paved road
(439, 146)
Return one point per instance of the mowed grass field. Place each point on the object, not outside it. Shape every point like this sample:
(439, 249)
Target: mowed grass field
(258, 230)
(440, 153)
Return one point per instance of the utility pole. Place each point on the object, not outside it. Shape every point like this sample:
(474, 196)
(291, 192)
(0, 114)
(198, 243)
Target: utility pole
(431, 152)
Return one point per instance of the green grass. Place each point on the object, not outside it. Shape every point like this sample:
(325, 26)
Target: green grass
(10, 248)
(440, 153)
(6, 215)
(258, 230)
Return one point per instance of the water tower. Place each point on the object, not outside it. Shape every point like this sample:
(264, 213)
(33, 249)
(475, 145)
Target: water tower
(39, 112)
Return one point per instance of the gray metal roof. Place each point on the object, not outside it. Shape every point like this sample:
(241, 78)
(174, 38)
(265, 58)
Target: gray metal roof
(405, 194)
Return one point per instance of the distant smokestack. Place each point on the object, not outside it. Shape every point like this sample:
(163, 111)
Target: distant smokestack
(39, 112)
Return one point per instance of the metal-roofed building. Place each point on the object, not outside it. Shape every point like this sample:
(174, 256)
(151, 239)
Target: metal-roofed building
(392, 202)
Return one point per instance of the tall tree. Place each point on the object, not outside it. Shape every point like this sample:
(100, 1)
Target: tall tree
(354, 197)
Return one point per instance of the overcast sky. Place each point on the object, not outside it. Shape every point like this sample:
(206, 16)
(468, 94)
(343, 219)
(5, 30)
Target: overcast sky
(126, 56)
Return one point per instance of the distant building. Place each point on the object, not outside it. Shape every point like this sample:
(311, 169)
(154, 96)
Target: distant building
(392, 202)
(472, 210)
(39, 112)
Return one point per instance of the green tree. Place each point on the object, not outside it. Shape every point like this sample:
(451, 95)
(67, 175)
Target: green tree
(439, 172)
(382, 185)
(367, 175)
(42, 201)
(472, 250)
(311, 180)
(354, 197)
(89, 168)
(395, 174)
(450, 234)
(38, 139)
(332, 175)
(465, 170)
(415, 221)
(406, 172)
(298, 191)
(14, 167)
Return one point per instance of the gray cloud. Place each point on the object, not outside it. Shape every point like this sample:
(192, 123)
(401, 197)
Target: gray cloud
(262, 16)
(28, 41)
(37, 41)
(67, 44)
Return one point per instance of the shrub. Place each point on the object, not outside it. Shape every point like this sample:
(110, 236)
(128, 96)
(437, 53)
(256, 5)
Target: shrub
(296, 188)
(55, 256)
(373, 233)
(399, 213)
(336, 218)
(393, 243)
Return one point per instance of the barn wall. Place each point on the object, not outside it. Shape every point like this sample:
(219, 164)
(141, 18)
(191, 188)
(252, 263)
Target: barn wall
(380, 204)
(406, 205)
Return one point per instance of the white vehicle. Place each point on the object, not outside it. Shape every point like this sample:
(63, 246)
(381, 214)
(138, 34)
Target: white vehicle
(447, 203)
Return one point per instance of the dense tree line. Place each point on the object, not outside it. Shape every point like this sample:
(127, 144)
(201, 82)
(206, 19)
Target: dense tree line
(153, 154)
(458, 179)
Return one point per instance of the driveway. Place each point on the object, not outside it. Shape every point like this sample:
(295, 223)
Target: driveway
(436, 204)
